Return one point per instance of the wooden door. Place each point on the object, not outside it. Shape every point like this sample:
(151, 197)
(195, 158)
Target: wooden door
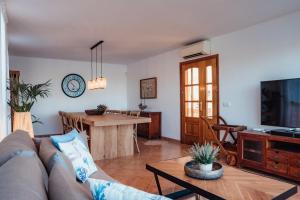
(199, 97)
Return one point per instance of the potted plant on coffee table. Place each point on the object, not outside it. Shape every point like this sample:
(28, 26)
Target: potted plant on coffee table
(23, 97)
(204, 155)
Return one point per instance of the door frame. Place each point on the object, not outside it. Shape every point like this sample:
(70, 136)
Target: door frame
(216, 56)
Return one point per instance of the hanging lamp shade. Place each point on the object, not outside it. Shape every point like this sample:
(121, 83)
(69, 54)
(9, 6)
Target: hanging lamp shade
(98, 82)
(101, 82)
(92, 84)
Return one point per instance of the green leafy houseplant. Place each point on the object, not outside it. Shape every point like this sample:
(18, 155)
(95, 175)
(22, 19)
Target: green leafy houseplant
(204, 155)
(24, 95)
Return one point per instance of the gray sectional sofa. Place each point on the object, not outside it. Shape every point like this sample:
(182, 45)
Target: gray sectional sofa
(36, 170)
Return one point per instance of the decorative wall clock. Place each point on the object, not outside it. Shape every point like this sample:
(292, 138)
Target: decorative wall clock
(73, 85)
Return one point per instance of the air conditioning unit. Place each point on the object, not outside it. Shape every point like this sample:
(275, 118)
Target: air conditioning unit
(196, 49)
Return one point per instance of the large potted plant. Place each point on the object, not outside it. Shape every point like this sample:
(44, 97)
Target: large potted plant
(204, 155)
(23, 97)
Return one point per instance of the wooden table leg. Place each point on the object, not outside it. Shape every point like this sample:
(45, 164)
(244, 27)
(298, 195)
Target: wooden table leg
(125, 143)
(109, 142)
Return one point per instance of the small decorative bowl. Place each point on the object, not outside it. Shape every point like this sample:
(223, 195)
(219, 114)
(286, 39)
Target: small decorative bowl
(192, 169)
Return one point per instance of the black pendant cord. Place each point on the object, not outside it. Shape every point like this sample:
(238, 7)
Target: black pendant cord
(91, 64)
(96, 62)
(101, 61)
(92, 48)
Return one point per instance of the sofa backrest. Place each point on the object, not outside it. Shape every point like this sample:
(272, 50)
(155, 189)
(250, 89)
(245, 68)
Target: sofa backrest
(23, 175)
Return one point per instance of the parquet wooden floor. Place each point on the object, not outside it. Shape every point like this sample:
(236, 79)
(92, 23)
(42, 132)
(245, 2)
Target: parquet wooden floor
(131, 170)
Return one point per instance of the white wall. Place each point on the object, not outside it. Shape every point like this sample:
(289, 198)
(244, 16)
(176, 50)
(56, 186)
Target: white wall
(37, 70)
(267, 51)
(4, 128)
(166, 68)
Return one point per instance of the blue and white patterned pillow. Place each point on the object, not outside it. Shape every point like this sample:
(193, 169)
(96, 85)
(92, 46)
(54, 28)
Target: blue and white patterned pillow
(56, 139)
(80, 157)
(106, 190)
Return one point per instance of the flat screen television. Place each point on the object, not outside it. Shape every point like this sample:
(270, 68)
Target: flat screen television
(280, 103)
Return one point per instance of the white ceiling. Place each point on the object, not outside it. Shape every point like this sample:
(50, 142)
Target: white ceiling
(132, 29)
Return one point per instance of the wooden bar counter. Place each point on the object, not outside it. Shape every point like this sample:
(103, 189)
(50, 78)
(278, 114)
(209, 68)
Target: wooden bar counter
(111, 135)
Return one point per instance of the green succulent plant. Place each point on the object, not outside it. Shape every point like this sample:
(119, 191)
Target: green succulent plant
(101, 108)
(204, 154)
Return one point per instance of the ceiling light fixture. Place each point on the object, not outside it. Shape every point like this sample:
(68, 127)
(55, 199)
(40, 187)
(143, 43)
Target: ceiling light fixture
(98, 82)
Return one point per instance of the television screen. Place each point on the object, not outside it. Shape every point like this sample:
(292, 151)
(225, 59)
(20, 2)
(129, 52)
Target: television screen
(280, 103)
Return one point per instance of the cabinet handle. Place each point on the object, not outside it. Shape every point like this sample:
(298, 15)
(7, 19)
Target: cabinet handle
(275, 165)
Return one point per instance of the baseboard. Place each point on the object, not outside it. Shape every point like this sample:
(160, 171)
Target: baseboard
(170, 139)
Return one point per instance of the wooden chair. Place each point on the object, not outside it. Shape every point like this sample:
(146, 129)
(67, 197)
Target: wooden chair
(215, 124)
(77, 123)
(135, 114)
(66, 122)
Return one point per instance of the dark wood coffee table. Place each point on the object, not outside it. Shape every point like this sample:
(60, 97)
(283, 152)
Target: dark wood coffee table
(236, 184)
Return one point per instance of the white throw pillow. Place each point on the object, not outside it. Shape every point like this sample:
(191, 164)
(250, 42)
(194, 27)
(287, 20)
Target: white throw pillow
(102, 189)
(80, 157)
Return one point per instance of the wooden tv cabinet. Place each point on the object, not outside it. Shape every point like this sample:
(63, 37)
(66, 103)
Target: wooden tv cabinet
(276, 155)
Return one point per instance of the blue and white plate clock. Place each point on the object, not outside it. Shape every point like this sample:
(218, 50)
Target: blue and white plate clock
(73, 85)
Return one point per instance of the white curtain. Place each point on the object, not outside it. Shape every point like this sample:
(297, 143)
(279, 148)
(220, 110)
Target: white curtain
(4, 70)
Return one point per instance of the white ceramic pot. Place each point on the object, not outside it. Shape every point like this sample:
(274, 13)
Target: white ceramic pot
(206, 167)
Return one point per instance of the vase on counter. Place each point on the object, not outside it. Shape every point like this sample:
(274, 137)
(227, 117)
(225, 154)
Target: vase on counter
(23, 121)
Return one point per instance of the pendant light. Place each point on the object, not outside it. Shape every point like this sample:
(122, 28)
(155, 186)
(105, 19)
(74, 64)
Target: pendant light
(98, 82)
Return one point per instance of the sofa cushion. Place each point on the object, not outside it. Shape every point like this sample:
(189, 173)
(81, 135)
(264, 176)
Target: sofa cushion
(62, 186)
(46, 150)
(22, 179)
(21, 137)
(49, 155)
(61, 159)
(14, 143)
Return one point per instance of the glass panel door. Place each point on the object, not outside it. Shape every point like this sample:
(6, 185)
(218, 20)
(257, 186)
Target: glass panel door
(209, 91)
(199, 97)
(191, 96)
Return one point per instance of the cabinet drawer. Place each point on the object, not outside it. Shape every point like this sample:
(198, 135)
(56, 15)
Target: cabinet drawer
(294, 172)
(294, 160)
(277, 156)
(277, 166)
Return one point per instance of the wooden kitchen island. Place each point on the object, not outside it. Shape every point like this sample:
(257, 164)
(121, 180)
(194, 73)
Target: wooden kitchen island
(111, 135)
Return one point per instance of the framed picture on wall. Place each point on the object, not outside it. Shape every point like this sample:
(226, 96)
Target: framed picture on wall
(148, 88)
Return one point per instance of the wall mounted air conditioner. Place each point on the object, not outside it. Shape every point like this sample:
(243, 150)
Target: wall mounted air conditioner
(196, 49)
